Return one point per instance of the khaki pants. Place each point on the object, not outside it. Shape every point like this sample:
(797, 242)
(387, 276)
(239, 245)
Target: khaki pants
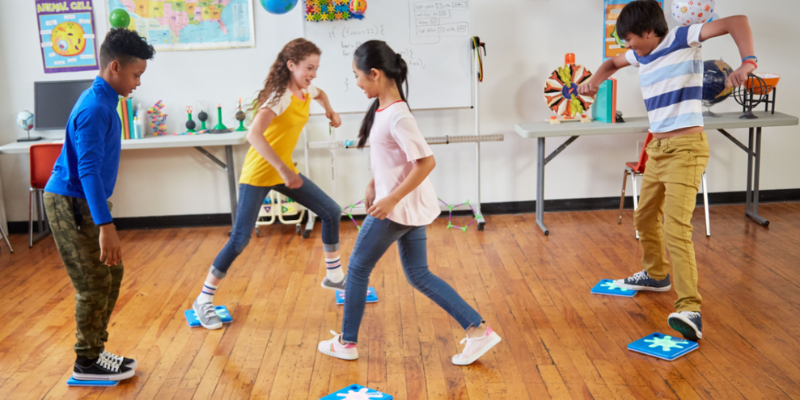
(669, 193)
(96, 284)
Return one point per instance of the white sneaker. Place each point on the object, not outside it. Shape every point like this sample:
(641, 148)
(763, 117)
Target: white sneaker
(334, 348)
(476, 347)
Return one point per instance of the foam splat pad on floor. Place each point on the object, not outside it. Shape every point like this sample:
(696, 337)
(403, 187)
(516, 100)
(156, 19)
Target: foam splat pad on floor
(222, 312)
(74, 382)
(609, 288)
(372, 296)
(663, 346)
(357, 392)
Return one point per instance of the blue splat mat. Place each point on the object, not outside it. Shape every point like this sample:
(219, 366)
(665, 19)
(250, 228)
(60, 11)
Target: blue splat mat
(609, 288)
(663, 346)
(357, 392)
(74, 382)
(372, 296)
(222, 312)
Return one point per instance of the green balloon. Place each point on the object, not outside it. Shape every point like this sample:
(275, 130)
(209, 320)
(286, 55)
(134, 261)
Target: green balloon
(120, 18)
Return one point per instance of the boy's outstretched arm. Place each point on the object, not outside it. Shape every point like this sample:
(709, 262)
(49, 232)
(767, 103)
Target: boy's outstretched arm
(605, 71)
(739, 28)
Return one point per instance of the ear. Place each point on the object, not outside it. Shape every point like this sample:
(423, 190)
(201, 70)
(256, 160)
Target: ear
(650, 33)
(115, 67)
(375, 74)
(291, 65)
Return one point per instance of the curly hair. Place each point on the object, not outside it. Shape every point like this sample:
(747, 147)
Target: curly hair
(279, 75)
(124, 46)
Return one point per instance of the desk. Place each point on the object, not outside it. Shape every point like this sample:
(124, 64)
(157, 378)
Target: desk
(640, 125)
(228, 140)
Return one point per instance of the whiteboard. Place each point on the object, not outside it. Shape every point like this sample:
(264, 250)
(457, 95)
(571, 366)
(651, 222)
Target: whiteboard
(432, 35)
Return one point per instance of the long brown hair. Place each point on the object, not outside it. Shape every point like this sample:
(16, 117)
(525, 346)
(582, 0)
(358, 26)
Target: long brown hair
(279, 75)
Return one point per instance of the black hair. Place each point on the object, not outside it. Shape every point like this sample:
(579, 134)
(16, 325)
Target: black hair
(641, 16)
(124, 46)
(375, 54)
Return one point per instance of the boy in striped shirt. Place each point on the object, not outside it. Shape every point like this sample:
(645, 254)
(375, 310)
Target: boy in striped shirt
(671, 75)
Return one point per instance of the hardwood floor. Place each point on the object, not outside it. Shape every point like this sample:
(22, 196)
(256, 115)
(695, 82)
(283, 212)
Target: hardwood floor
(559, 341)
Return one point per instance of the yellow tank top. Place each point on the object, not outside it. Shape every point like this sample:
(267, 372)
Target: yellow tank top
(282, 134)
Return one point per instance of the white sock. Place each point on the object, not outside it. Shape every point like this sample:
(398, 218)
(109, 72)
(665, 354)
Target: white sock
(334, 273)
(207, 295)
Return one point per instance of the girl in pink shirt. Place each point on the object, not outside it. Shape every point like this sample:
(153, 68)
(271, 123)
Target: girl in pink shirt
(401, 202)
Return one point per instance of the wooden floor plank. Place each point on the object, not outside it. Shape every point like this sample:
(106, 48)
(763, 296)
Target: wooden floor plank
(559, 341)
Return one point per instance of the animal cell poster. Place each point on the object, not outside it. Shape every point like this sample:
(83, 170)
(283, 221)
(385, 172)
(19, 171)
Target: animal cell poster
(67, 35)
(613, 44)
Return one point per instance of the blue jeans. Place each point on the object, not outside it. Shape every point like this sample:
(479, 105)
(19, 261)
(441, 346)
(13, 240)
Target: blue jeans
(250, 200)
(373, 240)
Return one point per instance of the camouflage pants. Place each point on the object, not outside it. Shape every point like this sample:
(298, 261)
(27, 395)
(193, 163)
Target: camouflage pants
(96, 284)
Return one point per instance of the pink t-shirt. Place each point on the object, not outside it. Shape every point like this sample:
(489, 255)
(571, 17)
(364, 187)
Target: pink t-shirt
(395, 145)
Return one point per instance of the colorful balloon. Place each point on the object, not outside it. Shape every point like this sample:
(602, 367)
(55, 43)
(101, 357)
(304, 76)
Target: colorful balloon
(358, 7)
(119, 18)
(278, 6)
(690, 12)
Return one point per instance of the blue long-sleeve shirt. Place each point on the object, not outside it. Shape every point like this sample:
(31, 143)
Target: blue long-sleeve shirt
(89, 161)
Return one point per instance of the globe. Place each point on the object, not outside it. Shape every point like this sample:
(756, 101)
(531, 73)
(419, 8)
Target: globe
(715, 76)
(278, 6)
(25, 120)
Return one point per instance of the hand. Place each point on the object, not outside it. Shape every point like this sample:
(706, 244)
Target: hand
(291, 179)
(336, 120)
(369, 198)
(739, 77)
(110, 249)
(382, 208)
(587, 89)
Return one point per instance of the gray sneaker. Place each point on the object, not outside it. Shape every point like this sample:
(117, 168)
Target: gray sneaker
(207, 315)
(640, 281)
(328, 284)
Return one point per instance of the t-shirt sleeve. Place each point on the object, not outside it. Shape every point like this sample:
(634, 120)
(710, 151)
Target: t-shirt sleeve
(405, 131)
(312, 91)
(693, 35)
(281, 105)
(631, 57)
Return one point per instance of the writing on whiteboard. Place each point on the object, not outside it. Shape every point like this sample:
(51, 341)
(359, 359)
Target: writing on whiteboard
(440, 18)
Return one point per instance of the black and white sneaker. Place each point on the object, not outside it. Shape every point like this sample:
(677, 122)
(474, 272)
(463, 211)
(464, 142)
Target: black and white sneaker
(329, 284)
(127, 362)
(640, 282)
(688, 323)
(102, 370)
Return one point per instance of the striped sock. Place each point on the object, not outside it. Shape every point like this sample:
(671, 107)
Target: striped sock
(335, 273)
(207, 295)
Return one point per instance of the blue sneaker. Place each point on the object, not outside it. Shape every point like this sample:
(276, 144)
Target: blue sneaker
(688, 323)
(641, 282)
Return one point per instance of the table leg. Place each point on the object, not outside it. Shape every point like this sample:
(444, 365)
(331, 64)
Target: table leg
(231, 181)
(752, 212)
(749, 193)
(540, 186)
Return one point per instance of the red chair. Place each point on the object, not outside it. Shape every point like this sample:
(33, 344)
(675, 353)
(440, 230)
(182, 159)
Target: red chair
(43, 157)
(636, 169)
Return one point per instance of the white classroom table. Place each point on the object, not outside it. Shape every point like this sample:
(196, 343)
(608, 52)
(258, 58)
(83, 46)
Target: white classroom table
(228, 140)
(640, 125)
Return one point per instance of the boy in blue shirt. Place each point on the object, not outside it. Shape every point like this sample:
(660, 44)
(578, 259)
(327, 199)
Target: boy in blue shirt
(671, 75)
(76, 202)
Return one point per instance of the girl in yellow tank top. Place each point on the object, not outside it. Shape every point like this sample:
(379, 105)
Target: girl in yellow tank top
(282, 110)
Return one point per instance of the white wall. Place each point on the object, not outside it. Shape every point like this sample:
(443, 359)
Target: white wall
(526, 40)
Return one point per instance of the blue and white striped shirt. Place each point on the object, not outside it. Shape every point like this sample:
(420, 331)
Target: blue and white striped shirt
(672, 80)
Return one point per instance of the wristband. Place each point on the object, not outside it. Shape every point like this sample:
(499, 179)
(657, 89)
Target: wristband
(754, 58)
(750, 62)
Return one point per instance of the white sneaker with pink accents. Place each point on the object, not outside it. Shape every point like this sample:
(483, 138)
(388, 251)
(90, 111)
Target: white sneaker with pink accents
(335, 349)
(476, 347)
